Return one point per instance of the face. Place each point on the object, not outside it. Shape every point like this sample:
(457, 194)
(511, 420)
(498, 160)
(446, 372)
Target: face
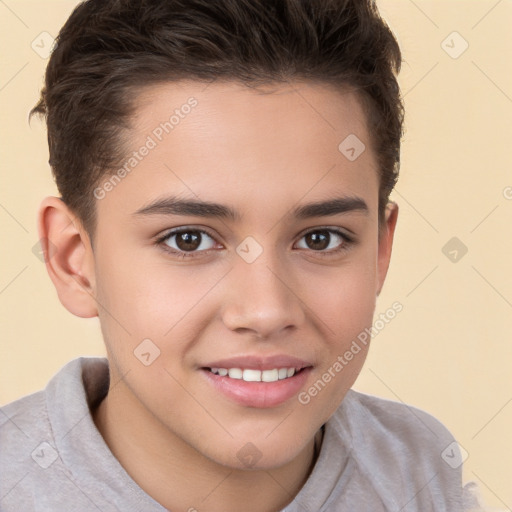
(236, 260)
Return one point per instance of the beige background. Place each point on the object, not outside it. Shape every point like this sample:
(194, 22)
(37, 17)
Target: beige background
(449, 351)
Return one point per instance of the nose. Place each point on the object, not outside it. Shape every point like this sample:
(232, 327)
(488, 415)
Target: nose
(261, 299)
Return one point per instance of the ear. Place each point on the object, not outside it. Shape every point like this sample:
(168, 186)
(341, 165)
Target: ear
(386, 243)
(68, 256)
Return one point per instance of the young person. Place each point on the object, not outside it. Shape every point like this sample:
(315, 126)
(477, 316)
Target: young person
(224, 169)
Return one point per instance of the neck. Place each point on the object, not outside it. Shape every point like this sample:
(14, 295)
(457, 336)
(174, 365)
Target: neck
(179, 477)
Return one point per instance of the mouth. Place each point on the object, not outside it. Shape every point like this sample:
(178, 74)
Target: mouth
(257, 382)
(251, 375)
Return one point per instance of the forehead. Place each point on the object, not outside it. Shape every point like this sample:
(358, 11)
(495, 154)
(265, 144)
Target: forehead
(227, 142)
(270, 112)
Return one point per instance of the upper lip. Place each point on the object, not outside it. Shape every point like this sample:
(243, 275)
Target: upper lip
(254, 362)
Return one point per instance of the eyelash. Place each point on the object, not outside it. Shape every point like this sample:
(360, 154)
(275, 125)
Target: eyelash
(347, 242)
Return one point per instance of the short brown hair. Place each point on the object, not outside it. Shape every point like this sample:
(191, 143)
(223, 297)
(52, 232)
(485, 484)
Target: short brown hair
(109, 49)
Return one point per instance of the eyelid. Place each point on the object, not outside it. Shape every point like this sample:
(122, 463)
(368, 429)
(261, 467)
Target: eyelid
(346, 233)
(180, 229)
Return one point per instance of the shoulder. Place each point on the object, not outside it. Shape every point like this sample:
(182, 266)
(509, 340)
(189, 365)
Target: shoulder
(30, 417)
(397, 419)
(24, 427)
(21, 411)
(403, 450)
(30, 429)
(381, 422)
(22, 422)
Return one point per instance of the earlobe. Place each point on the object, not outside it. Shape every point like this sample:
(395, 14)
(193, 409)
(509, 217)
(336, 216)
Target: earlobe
(386, 243)
(68, 257)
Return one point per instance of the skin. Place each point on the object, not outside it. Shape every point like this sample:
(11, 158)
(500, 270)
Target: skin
(262, 155)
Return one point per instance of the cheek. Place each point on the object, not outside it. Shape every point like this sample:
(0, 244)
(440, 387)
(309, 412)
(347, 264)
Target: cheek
(344, 299)
(351, 310)
(152, 300)
(344, 305)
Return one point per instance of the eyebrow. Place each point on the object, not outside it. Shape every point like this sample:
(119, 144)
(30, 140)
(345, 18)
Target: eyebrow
(196, 208)
(331, 207)
(193, 207)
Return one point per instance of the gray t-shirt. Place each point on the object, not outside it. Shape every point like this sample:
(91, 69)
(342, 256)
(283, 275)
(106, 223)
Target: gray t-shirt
(376, 455)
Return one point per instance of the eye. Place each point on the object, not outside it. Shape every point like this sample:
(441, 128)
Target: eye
(187, 241)
(324, 240)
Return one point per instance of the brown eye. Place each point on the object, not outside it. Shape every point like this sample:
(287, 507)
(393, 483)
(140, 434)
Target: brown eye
(189, 241)
(318, 240)
(326, 240)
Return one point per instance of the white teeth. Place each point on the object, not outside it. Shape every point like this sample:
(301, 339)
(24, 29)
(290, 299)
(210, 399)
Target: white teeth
(235, 373)
(250, 375)
(270, 375)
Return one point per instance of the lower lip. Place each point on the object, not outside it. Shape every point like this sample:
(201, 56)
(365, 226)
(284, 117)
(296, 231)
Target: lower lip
(258, 394)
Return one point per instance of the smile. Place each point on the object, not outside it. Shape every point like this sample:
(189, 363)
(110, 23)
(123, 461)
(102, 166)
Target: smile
(251, 387)
(250, 375)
